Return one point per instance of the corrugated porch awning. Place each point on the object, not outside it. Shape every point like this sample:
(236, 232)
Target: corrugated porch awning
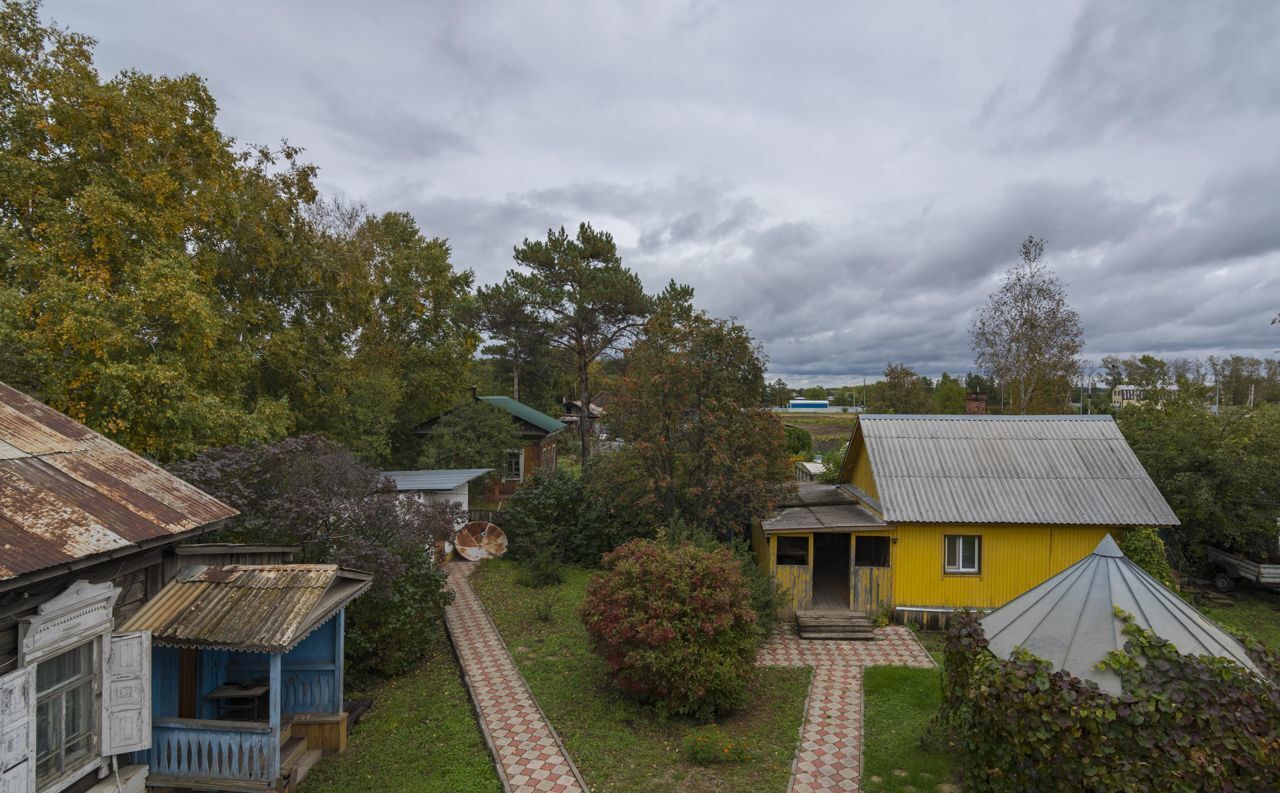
(252, 608)
(819, 507)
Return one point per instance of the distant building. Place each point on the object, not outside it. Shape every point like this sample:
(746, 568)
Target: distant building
(808, 471)
(571, 413)
(809, 404)
(438, 486)
(538, 435)
(1125, 395)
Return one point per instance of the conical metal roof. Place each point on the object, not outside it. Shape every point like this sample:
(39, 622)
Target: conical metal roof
(1069, 619)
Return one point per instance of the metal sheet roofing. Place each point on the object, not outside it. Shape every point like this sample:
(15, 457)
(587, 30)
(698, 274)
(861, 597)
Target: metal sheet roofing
(814, 506)
(442, 479)
(1069, 620)
(253, 608)
(522, 411)
(67, 493)
(1075, 470)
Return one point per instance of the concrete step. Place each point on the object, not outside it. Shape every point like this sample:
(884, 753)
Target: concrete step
(861, 636)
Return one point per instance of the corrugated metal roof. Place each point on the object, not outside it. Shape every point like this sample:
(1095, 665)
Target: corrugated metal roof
(814, 506)
(1069, 620)
(442, 479)
(522, 411)
(1009, 469)
(67, 493)
(258, 608)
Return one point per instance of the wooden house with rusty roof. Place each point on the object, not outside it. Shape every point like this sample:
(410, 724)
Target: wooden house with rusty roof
(89, 535)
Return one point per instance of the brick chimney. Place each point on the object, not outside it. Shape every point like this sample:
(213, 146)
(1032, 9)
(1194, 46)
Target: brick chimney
(975, 404)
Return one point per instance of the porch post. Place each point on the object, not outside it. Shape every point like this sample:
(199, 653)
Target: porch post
(273, 707)
(339, 640)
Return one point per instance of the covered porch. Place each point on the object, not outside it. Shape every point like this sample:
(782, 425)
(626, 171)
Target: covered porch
(247, 674)
(829, 555)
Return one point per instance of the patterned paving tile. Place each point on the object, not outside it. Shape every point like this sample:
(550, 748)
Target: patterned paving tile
(529, 754)
(829, 757)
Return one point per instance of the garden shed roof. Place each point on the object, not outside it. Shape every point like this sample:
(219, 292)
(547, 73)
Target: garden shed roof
(1072, 470)
(258, 608)
(435, 480)
(67, 493)
(1069, 620)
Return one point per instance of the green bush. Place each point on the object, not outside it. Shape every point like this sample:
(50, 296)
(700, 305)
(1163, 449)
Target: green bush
(675, 626)
(766, 600)
(539, 571)
(709, 744)
(390, 633)
(799, 442)
(1143, 546)
(1183, 723)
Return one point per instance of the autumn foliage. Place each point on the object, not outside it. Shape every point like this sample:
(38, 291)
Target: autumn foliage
(675, 625)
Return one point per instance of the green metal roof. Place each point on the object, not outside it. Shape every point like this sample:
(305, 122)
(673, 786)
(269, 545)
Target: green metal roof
(522, 411)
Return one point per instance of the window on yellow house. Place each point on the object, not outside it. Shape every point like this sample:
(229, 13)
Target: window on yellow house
(793, 550)
(963, 554)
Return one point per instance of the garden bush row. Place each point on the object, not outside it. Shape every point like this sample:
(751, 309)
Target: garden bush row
(1183, 723)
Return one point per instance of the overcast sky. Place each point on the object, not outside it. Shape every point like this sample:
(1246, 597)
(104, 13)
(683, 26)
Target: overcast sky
(849, 180)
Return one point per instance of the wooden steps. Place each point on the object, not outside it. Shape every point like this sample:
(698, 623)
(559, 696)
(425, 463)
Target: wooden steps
(835, 624)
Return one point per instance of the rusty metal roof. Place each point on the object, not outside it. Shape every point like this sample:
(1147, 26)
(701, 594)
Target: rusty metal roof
(252, 608)
(1073, 470)
(67, 493)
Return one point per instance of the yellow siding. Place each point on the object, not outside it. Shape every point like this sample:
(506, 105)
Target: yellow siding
(857, 466)
(793, 580)
(1014, 559)
(761, 546)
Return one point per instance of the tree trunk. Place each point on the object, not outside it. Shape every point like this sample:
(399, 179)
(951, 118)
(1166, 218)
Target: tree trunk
(584, 400)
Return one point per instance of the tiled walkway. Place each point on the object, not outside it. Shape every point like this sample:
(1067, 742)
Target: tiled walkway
(829, 757)
(529, 754)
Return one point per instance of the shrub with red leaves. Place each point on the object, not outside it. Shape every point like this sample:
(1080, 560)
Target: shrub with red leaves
(675, 625)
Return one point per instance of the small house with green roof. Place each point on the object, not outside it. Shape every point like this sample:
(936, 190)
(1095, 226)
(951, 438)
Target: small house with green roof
(538, 436)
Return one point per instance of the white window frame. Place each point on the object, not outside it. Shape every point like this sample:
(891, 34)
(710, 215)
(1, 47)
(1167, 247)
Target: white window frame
(519, 477)
(91, 758)
(954, 564)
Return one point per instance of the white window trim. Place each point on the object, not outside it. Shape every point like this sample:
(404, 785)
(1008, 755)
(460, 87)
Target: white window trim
(94, 758)
(959, 568)
(520, 476)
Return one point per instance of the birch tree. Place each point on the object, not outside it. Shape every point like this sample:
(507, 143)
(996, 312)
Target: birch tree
(1027, 337)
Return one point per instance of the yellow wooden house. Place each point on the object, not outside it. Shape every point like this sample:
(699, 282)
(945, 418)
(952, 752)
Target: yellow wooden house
(933, 513)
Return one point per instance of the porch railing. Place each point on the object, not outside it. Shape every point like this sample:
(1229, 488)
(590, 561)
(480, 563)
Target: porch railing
(218, 750)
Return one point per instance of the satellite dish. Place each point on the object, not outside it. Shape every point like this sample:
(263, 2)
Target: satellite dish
(480, 540)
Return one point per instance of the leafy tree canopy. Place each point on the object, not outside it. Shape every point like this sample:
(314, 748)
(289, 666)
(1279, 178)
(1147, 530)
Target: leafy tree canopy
(689, 404)
(901, 391)
(580, 297)
(472, 435)
(177, 291)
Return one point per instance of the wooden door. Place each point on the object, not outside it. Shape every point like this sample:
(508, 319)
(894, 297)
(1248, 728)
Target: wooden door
(870, 576)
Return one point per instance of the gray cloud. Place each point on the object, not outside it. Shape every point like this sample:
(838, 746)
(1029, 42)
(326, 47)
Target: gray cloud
(817, 173)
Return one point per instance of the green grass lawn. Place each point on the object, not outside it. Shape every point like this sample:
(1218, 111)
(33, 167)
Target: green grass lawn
(421, 736)
(897, 708)
(619, 745)
(1254, 611)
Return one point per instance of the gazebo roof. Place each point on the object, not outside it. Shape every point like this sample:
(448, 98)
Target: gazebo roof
(1069, 620)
